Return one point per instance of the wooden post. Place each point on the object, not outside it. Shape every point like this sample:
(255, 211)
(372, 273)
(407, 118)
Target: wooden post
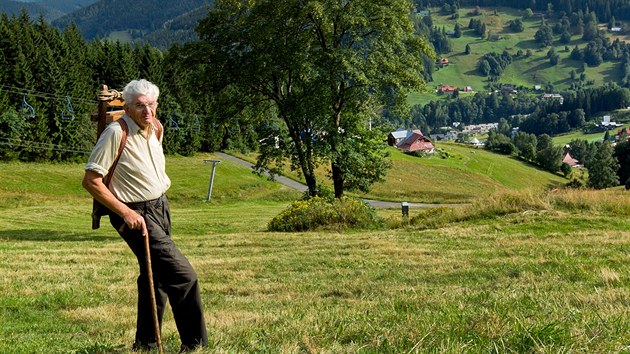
(102, 111)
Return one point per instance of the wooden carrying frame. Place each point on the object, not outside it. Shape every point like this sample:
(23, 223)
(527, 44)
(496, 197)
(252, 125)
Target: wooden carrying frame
(110, 108)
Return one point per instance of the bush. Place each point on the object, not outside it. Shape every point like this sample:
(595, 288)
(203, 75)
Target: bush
(325, 214)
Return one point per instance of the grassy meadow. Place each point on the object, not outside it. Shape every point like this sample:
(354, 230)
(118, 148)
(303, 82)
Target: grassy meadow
(522, 271)
(459, 174)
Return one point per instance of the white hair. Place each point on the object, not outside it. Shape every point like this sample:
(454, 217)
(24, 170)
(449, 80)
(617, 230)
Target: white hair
(140, 87)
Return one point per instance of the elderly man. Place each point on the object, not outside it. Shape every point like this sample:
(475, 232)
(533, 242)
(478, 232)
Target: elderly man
(138, 206)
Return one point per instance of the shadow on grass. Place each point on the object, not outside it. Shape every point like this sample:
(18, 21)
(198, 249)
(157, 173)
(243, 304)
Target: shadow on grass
(53, 235)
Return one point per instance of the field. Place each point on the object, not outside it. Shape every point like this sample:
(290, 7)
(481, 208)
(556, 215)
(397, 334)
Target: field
(467, 174)
(548, 276)
(523, 71)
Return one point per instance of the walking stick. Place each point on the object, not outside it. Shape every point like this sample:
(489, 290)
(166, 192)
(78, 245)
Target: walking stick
(156, 324)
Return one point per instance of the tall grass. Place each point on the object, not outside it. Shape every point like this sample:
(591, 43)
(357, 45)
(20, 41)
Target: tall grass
(613, 202)
(527, 273)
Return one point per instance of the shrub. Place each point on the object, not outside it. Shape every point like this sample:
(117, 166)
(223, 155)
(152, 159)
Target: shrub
(325, 214)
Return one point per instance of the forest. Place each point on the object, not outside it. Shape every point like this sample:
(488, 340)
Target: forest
(50, 77)
(49, 81)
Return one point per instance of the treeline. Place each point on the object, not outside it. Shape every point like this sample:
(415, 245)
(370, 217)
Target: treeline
(103, 17)
(48, 85)
(604, 9)
(608, 166)
(530, 113)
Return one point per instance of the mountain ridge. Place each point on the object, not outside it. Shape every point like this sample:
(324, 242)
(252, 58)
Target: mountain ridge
(102, 18)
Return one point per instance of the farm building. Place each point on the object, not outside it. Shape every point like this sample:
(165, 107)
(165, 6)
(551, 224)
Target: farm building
(569, 160)
(416, 141)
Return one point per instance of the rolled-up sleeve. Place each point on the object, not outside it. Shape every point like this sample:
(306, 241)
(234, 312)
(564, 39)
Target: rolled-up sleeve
(105, 150)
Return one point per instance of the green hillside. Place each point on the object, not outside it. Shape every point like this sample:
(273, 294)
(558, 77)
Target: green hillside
(523, 71)
(466, 175)
(459, 174)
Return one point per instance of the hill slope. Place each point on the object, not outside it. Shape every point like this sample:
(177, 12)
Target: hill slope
(529, 68)
(50, 9)
(465, 175)
(460, 174)
(139, 18)
(13, 8)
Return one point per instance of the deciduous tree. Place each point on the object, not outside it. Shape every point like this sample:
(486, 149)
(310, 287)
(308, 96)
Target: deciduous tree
(326, 67)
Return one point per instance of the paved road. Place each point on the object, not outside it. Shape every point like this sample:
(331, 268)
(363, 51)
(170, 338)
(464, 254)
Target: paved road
(302, 188)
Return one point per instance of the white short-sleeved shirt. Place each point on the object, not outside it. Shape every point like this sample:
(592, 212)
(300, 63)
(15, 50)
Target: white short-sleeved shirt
(141, 171)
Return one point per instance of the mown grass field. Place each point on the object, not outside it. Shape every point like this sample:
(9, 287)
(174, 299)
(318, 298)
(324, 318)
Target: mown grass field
(466, 174)
(547, 278)
(523, 71)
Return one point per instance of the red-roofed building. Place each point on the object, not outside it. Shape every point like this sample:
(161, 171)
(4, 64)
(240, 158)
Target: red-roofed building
(622, 135)
(448, 89)
(569, 160)
(416, 141)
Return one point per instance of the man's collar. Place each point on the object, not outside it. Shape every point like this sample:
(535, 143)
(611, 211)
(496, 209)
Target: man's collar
(133, 126)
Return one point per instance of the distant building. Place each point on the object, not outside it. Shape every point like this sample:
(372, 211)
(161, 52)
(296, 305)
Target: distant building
(615, 29)
(569, 160)
(397, 136)
(553, 97)
(622, 135)
(448, 89)
(509, 89)
(476, 142)
(607, 124)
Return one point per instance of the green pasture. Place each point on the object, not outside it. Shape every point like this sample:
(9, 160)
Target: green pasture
(467, 174)
(460, 174)
(533, 281)
(523, 71)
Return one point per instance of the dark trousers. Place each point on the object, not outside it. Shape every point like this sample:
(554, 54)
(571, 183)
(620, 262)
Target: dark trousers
(173, 277)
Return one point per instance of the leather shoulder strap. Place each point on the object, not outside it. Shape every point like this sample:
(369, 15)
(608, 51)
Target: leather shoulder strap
(159, 128)
(123, 142)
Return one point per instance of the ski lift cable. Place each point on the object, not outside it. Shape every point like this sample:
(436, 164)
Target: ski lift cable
(45, 95)
(40, 146)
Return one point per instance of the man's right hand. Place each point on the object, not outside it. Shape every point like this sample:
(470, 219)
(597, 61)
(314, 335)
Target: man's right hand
(134, 221)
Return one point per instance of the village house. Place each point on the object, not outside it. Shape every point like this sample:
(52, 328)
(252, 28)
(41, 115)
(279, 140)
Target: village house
(416, 141)
(622, 135)
(607, 123)
(397, 136)
(569, 160)
(447, 89)
(509, 89)
(552, 97)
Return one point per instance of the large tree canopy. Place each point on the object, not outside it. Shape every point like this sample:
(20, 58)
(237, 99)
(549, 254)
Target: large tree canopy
(327, 68)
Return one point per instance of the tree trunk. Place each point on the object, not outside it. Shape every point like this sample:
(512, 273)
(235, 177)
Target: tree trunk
(338, 179)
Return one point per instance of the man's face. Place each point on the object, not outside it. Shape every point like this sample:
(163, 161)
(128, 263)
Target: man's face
(142, 110)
